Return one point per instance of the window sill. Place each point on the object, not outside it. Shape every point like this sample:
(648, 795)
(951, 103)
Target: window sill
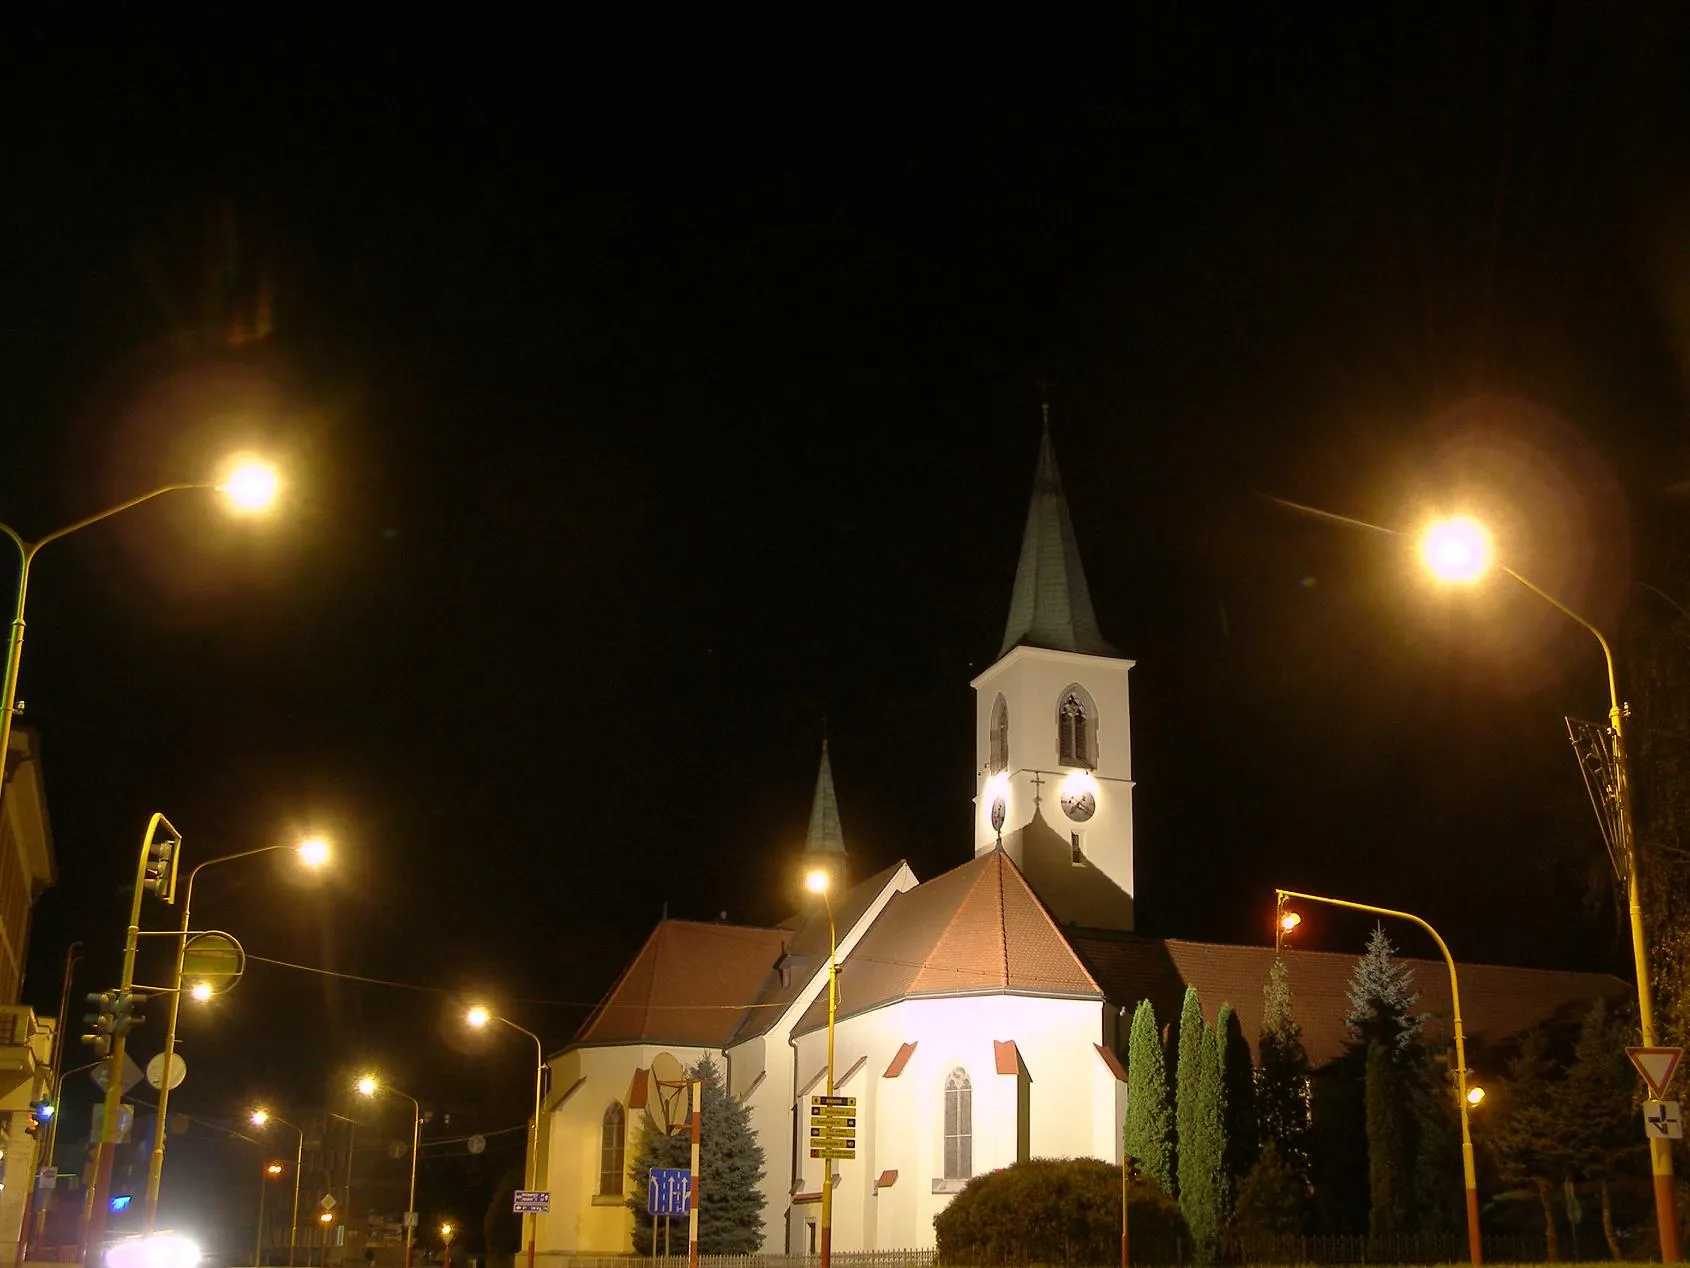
(949, 1186)
(609, 1199)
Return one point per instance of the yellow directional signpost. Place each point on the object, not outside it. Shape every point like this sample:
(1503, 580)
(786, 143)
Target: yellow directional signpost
(833, 1127)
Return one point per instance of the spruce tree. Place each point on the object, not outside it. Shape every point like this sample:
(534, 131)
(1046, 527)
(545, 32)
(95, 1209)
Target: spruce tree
(1390, 1166)
(730, 1165)
(1282, 1087)
(1149, 1131)
(1595, 1105)
(1381, 992)
(1238, 1101)
(1197, 1117)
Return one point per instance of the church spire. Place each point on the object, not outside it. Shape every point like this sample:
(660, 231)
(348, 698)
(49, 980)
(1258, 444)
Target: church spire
(1051, 604)
(825, 835)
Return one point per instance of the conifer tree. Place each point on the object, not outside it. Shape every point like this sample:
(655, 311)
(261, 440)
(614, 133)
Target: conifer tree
(1595, 1105)
(1238, 1101)
(1525, 1134)
(1273, 1199)
(1149, 1130)
(1197, 1117)
(1382, 993)
(1282, 1087)
(730, 1165)
(1390, 1167)
(1439, 1201)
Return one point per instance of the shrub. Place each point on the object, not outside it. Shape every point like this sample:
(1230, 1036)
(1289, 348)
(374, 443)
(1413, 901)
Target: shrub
(1056, 1211)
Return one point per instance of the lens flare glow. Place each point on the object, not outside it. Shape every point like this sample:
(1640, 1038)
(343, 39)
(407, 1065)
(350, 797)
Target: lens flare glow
(478, 1017)
(200, 992)
(1475, 1095)
(817, 881)
(250, 485)
(1457, 549)
(367, 1085)
(314, 851)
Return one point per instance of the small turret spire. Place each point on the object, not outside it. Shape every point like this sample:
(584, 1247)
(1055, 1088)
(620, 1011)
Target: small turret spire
(825, 835)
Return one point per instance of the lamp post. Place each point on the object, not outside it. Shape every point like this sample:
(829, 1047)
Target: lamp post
(261, 1118)
(368, 1086)
(817, 882)
(479, 1017)
(269, 1173)
(250, 486)
(1459, 550)
(1290, 920)
(446, 1231)
(313, 852)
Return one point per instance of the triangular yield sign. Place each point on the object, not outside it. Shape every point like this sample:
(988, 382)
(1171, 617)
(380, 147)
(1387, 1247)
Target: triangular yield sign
(1656, 1065)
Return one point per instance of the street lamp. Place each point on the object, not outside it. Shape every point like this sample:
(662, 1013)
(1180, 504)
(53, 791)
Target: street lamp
(268, 1174)
(818, 882)
(368, 1086)
(313, 852)
(249, 485)
(478, 1017)
(1459, 550)
(262, 1118)
(1464, 1097)
(446, 1231)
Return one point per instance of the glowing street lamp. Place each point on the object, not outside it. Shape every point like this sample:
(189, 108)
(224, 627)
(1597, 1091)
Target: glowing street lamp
(269, 1173)
(244, 487)
(1447, 562)
(820, 881)
(368, 1086)
(480, 1017)
(446, 1231)
(1464, 1097)
(313, 852)
(262, 1117)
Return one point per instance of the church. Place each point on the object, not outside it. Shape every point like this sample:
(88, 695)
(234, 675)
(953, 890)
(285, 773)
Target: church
(982, 1013)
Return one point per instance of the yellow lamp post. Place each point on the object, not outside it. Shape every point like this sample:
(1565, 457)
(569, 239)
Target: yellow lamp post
(249, 486)
(269, 1173)
(313, 852)
(263, 1118)
(369, 1086)
(818, 882)
(479, 1017)
(446, 1231)
(1289, 920)
(1459, 550)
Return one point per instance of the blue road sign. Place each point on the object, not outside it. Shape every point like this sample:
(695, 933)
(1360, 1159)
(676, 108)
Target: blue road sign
(532, 1202)
(669, 1192)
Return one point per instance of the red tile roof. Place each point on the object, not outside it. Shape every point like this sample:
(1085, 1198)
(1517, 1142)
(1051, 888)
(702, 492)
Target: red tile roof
(977, 929)
(689, 984)
(1497, 1002)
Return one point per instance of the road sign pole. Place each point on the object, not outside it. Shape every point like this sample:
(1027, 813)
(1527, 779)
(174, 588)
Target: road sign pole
(692, 1205)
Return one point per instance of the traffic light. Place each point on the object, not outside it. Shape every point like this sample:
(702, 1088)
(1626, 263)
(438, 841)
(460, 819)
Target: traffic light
(39, 1113)
(127, 1011)
(101, 1023)
(162, 857)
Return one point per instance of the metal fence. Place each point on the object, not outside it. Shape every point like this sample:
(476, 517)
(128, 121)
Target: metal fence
(1325, 1250)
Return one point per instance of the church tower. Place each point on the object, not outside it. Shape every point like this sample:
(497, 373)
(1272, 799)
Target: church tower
(1052, 738)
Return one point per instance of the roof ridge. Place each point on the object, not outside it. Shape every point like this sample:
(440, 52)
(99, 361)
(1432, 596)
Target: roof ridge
(1003, 905)
(1055, 925)
(1410, 959)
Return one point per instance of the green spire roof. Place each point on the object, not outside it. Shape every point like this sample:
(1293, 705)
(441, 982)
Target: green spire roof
(825, 835)
(1051, 604)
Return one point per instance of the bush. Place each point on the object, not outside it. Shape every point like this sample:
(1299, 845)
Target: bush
(1056, 1211)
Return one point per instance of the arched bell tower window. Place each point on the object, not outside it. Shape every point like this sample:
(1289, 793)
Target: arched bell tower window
(998, 762)
(1076, 729)
(612, 1135)
(959, 1126)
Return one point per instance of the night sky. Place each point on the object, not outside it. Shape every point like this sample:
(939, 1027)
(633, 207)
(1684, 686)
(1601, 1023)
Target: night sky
(638, 415)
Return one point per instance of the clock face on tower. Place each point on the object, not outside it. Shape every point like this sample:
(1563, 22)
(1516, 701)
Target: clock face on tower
(1079, 805)
(999, 810)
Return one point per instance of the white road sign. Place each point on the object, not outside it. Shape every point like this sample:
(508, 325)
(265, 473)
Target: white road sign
(1661, 1120)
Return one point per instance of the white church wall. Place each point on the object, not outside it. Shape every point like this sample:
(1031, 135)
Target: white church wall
(1071, 1111)
(1032, 682)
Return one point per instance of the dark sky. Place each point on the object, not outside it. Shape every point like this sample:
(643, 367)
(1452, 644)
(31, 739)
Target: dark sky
(639, 415)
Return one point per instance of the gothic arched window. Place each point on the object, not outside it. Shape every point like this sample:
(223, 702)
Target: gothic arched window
(1076, 729)
(959, 1126)
(611, 1138)
(998, 761)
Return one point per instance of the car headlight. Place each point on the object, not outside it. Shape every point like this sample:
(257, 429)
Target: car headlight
(156, 1250)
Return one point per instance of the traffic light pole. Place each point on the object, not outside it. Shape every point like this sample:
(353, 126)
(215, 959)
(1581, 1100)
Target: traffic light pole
(94, 1208)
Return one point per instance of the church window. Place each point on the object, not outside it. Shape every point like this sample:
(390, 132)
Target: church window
(1078, 846)
(1076, 729)
(959, 1126)
(998, 762)
(611, 1140)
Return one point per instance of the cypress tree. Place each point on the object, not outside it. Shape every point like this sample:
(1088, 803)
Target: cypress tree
(1197, 1118)
(1389, 1152)
(1149, 1130)
(1282, 1087)
(1238, 1101)
(730, 1165)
